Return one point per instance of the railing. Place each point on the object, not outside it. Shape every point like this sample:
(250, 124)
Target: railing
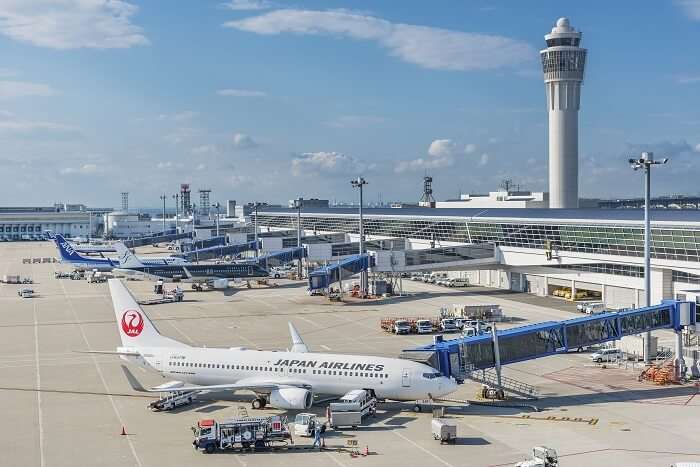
(490, 378)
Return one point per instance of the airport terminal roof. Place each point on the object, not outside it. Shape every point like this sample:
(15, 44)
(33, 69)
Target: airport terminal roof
(671, 216)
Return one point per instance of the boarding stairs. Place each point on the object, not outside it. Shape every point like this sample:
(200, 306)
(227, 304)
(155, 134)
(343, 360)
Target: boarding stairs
(510, 385)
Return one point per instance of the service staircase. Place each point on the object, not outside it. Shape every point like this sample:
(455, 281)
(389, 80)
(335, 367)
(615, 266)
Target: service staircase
(510, 385)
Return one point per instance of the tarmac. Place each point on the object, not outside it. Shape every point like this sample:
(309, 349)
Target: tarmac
(65, 408)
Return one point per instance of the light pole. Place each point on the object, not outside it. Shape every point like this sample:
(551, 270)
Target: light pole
(217, 206)
(360, 182)
(645, 162)
(255, 226)
(176, 197)
(163, 197)
(297, 204)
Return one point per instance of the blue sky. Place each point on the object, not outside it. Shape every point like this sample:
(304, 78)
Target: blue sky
(268, 100)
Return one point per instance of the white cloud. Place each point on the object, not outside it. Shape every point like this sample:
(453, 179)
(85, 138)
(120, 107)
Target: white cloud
(442, 148)
(29, 126)
(8, 73)
(688, 79)
(327, 162)
(169, 165)
(243, 141)
(71, 24)
(205, 149)
(12, 89)
(85, 169)
(201, 167)
(179, 136)
(247, 5)
(691, 8)
(697, 148)
(429, 47)
(356, 121)
(440, 154)
(240, 93)
(179, 116)
(484, 159)
(469, 148)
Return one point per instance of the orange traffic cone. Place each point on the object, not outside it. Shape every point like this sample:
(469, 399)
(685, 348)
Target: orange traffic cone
(123, 431)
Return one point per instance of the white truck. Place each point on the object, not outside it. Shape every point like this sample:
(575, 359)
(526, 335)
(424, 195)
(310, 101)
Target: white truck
(457, 282)
(424, 326)
(402, 327)
(244, 433)
(448, 325)
(352, 408)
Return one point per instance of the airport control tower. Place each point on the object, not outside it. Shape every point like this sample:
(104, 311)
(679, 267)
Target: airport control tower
(563, 62)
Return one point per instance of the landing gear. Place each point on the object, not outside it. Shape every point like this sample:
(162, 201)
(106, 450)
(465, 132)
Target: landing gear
(259, 403)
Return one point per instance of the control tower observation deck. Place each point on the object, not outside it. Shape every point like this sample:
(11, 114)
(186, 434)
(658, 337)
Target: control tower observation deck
(563, 63)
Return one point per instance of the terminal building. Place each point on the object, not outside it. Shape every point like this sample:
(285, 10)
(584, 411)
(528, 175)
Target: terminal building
(30, 222)
(587, 253)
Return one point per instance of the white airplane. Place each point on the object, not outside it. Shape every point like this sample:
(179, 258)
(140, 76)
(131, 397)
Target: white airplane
(286, 380)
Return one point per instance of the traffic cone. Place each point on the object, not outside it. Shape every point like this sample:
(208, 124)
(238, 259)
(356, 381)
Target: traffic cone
(366, 450)
(123, 431)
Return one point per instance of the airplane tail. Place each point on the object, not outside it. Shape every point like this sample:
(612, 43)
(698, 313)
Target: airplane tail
(126, 258)
(135, 328)
(66, 250)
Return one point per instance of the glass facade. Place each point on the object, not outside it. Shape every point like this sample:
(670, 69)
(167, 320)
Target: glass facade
(606, 268)
(677, 243)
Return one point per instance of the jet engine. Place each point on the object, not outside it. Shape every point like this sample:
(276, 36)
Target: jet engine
(291, 398)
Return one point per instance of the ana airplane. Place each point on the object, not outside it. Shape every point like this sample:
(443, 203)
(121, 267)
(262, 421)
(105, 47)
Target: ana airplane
(286, 380)
(70, 255)
(130, 264)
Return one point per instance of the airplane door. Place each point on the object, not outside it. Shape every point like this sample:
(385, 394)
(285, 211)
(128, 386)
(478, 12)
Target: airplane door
(405, 378)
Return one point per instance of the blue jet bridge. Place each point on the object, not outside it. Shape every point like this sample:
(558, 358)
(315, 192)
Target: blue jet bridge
(158, 238)
(459, 357)
(323, 277)
(217, 251)
(284, 256)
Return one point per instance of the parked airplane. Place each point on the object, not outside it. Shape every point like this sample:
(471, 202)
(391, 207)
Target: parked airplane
(286, 380)
(130, 264)
(70, 255)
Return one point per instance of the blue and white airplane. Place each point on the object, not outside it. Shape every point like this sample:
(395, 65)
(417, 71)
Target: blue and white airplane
(69, 255)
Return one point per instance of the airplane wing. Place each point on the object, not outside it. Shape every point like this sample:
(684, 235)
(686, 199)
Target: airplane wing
(250, 384)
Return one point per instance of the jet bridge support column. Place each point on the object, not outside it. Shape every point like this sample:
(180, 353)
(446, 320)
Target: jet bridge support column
(496, 355)
(680, 362)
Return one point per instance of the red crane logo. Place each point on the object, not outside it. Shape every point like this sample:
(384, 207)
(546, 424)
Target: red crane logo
(132, 323)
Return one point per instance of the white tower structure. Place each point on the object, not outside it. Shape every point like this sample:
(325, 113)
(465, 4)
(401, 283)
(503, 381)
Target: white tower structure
(563, 62)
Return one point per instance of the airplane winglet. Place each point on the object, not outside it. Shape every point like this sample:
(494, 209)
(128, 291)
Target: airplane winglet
(298, 344)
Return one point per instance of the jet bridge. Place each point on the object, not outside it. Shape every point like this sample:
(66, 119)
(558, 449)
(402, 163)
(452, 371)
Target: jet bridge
(280, 257)
(217, 251)
(323, 277)
(459, 357)
(158, 238)
(454, 257)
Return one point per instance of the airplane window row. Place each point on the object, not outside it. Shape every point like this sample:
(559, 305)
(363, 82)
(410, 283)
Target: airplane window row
(360, 374)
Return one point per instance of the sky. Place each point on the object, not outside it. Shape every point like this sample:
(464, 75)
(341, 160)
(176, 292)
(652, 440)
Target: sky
(268, 100)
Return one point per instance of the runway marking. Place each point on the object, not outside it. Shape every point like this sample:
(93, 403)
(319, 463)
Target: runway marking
(99, 372)
(434, 456)
(38, 385)
(334, 459)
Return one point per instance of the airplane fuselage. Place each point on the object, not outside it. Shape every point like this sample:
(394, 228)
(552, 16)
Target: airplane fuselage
(224, 271)
(332, 374)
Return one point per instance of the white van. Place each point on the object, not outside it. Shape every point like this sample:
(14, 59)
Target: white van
(458, 282)
(594, 308)
(606, 355)
(25, 293)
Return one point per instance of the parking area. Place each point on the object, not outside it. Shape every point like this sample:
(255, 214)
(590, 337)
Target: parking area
(65, 408)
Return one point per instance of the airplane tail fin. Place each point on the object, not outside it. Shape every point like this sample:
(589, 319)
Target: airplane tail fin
(126, 258)
(135, 328)
(298, 344)
(66, 250)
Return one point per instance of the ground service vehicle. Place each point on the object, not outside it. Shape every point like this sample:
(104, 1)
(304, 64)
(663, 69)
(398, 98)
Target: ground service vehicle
(448, 325)
(352, 407)
(25, 293)
(257, 432)
(457, 282)
(424, 326)
(542, 456)
(401, 327)
(594, 307)
(606, 355)
(444, 430)
(304, 424)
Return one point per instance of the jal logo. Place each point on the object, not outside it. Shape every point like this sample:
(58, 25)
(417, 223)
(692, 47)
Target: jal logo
(68, 247)
(132, 323)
